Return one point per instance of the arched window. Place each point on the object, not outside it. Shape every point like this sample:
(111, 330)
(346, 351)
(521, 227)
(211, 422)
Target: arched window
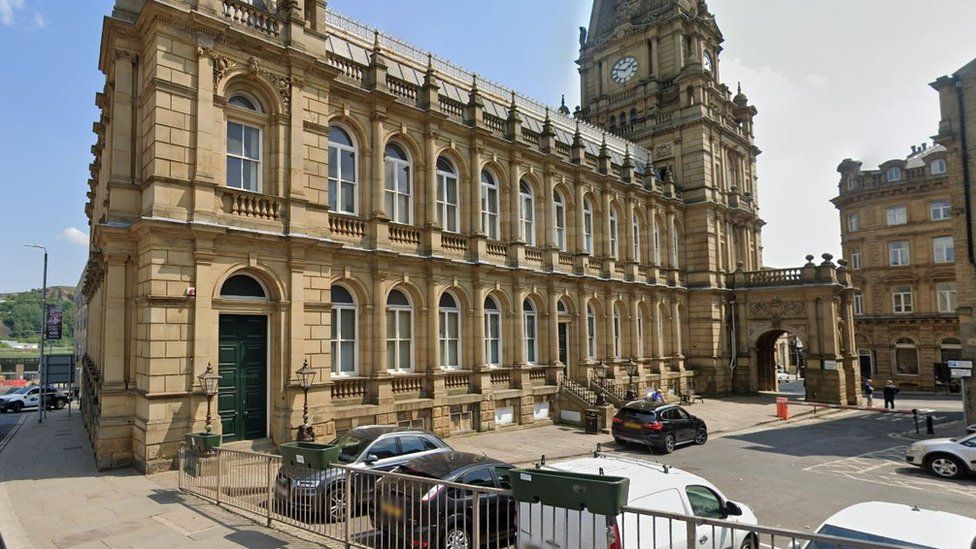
(493, 332)
(527, 213)
(489, 205)
(561, 307)
(399, 333)
(614, 241)
(636, 229)
(633, 117)
(242, 286)
(613, 123)
(656, 234)
(641, 352)
(675, 249)
(531, 332)
(559, 213)
(587, 227)
(906, 357)
(950, 349)
(344, 332)
(938, 166)
(893, 174)
(243, 146)
(590, 331)
(447, 196)
(343, 172)
(449, 336)
(617, 332)
(399, 173)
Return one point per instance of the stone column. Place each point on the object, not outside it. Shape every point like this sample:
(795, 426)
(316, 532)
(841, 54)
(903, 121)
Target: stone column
(430, 188)
(379, 327)
(518, 327)
(608, 309)
(377, 180)
(115, 332)
(204, 178)
(204, 320)
(553, 327)
(433, 347)
(478, 329)
(578, 371)
(635, 350)
(295, 181)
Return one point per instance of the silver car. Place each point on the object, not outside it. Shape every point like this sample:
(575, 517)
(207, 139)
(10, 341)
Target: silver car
(946, 457)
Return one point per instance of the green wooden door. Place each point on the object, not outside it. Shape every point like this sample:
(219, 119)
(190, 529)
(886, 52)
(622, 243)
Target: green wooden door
(242, 400)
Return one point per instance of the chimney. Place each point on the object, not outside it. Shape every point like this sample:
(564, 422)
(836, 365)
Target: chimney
(925, 146)
(914, 149)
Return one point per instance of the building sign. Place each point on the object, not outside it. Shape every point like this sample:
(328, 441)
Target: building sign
(52, 324)
(960, 368)
(830, 365)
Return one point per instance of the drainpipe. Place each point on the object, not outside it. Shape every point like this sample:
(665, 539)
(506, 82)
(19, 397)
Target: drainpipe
(966, 184)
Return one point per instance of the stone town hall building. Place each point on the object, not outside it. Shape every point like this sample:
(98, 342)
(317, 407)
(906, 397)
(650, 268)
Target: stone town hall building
(274, 182)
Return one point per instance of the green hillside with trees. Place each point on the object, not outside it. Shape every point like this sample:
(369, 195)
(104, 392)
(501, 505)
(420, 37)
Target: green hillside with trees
(20, 314)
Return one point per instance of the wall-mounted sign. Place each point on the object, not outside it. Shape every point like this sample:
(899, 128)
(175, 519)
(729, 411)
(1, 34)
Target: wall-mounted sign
(960, 368)
(830, 365)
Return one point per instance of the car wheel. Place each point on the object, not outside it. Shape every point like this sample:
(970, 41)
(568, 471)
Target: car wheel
(59, 404)
(456, 537)
(17, 407)
(669, 443)
(945, 466)
(335, 498)
(750, 542)
(701, 436)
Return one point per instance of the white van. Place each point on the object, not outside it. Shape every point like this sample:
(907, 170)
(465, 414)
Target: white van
(654, 487)
(899, 525)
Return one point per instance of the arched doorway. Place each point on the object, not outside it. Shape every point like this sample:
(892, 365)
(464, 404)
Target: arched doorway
(778, 352)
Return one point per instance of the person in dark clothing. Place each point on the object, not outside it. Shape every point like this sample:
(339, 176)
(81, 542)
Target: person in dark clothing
(890, 390)
(869, 392)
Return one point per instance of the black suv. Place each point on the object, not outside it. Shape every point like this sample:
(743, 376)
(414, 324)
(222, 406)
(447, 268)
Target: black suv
(312, 493)
(426, 513)
(657, 425)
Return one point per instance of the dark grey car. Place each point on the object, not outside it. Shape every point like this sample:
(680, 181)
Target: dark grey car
(312, 493)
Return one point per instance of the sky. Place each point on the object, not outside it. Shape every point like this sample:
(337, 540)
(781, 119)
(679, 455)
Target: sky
(831, 78)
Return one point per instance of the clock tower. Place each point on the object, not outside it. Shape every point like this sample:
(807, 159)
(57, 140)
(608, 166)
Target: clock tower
(650, 72)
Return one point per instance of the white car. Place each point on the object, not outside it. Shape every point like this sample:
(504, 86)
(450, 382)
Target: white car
(899, 525)
(29, 397)
(946, 457)
(653, 487)
(782, 377)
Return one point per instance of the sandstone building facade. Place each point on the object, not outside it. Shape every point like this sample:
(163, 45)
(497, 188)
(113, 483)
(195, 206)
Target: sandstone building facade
(275, 183)
(897, 234)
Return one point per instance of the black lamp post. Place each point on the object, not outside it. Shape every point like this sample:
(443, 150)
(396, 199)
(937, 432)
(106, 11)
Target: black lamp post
(601, 375)
(209, 381)
(632, 370)
(305, 375)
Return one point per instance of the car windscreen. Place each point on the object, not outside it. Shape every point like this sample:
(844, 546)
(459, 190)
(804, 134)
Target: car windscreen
(855, 535)
(21, 391)
(640, 416)
(352, 447)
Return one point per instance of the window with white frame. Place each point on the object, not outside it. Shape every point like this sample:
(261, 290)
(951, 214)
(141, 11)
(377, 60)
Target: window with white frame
(893, 174)
(614, 234)
(938, 166)
(656, 233)
(489, 205)
(906, 357)
(590, 332)
(946, 296)
(617, 333)
(898, 255)
(897, 215)
(493, 332)
(448, 214)
(559, 215)
(943, 249)
(901, 297)
(636, 229)
(449, 335)
(343, 172)
(344, 330)
(243, 148)
(398, 184)
(527, 213)
(858, 304)
(853, 221)
(856, 258)
(587, 227)
(940, 209)
(531, 332)
(399, 333)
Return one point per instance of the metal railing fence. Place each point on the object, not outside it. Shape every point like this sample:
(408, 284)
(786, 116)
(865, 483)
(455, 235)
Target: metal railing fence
(357, 507)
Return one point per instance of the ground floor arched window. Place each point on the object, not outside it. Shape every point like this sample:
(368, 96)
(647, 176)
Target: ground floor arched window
(399, 333)
(449, 335)
(344, 332)
(493, 332)
(906, 357)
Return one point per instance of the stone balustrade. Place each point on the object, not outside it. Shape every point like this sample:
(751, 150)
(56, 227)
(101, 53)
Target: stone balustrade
(248, 204)
(243, 13)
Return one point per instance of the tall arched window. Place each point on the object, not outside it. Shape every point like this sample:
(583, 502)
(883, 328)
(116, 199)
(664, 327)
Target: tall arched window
(531, 332)
(489, 205)
(343, 172)
(906, 357)
(493, 332)
(656, 234)
(590, 331)
(243, 145)
(399, 333)
(617, 332)
(447, 196)
(559, 215)
(614, 240)
(636, 229)
(449, 335)
(398, 184)
(527, 213)
(587, 227)
(344, 332)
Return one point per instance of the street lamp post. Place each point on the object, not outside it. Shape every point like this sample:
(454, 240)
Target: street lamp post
(40, 362)
(601, 375)
(305, 375)
(209, 381)
(632, 369)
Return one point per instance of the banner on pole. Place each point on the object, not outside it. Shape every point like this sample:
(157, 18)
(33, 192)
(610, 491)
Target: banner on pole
(52, 323)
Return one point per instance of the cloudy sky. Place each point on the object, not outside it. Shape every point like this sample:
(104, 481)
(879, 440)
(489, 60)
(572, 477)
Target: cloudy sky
(831, 79)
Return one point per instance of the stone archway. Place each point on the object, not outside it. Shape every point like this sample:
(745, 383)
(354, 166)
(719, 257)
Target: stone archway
(768, 361)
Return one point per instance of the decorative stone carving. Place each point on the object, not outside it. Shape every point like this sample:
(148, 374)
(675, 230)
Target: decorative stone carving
(282, 84)
(777, 309)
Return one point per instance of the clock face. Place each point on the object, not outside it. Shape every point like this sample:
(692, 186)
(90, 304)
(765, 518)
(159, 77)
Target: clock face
(707, 62)
(624, 70)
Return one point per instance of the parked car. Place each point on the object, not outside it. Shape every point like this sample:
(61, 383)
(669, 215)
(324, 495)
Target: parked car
(946, 457)
(782, 377)
(312, 493)
(428, 514)
(898, 525)
(660, 426)
(653, 487)
(30, 396)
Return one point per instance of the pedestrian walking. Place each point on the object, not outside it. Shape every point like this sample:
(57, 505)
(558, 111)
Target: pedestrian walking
(890, 390)
(656, 395)
(869, 392)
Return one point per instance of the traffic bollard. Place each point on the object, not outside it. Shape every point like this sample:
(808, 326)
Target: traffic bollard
(929, 425)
